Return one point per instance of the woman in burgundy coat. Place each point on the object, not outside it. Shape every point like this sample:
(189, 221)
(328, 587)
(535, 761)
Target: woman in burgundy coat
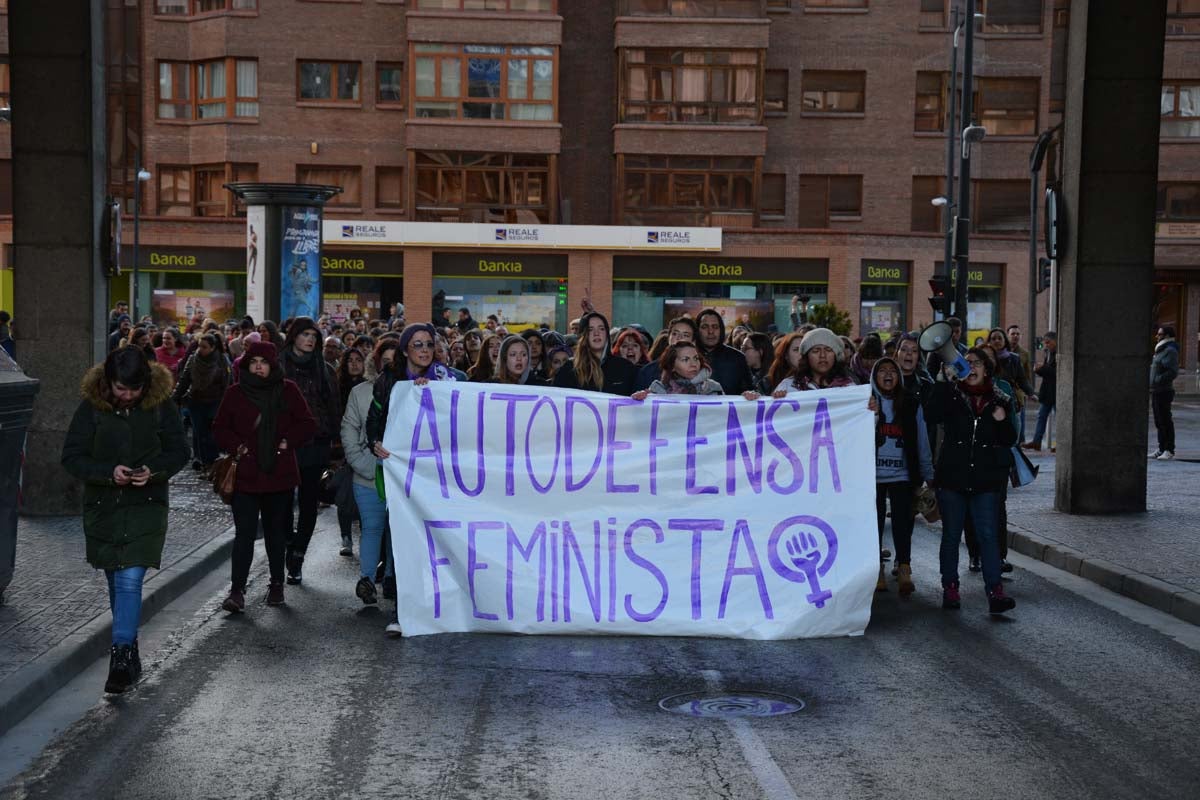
(266, 414)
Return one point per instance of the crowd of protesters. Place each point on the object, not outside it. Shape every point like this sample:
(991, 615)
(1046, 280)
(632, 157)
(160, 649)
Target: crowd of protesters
(304, 406)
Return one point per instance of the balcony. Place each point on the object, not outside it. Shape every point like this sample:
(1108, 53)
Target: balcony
(743, 9)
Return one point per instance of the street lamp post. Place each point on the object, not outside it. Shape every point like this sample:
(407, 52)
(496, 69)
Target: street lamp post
(142, 177)
(970, 133)
(951, 128)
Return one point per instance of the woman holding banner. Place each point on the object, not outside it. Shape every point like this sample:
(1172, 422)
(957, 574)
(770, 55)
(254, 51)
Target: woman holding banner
(595, 368)
(816, 362)
(972, 469)
(413, 360)
(515, 363)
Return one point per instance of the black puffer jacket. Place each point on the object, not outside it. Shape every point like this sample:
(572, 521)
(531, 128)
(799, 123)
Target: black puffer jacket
(318, 384)
(728, 365)
(976, 451)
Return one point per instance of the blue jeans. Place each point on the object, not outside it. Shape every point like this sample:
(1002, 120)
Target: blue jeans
(984, 508)
(373, 513)
(1021, 425)
(125, 601)
(1044, 412)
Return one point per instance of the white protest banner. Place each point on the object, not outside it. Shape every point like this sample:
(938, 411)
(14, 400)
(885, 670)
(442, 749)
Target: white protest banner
(543, 510)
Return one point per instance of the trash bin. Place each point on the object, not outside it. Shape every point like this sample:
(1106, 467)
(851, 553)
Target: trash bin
(16, 409)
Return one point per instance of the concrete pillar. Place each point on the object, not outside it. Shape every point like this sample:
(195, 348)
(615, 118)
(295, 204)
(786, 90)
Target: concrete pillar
(1114, 78)
(58, 148)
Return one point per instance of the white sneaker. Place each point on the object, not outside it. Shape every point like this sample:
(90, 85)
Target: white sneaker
(1165, 456)
(1155, 453)
(393, 630)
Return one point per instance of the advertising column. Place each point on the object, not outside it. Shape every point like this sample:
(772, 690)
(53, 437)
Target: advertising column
(256, 284)
(300, 261)
(283, 248)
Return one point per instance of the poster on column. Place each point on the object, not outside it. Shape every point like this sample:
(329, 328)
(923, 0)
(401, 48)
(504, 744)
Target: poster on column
(546, 510)
(300, 263)
(256, 285)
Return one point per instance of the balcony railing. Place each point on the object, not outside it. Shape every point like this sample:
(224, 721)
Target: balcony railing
(749, 9)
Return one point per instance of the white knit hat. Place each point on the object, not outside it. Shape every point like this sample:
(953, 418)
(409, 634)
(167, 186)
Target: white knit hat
(823, 336)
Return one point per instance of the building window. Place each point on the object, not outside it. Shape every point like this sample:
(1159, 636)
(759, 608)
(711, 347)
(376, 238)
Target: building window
(389, 78)
(933, 15)
(484, 82)
(833, 92)
(1180, 110)
(835, 4)
(349, 178)
(1000, 206)
(199, 191)
(1011, 16)
(5, 84)
(775, 91)
(926, 217)
(774, 195)
(690, 86)
(1183, 17)
(930, 105)
(191, 8)
(690, 8)
(1179, 202)
(828, 198)
(224, 88)
(687, 190)
(779, 5)
(527, 6)
(1007, 106)
(389, 187)
(333, 81)
(483, 187)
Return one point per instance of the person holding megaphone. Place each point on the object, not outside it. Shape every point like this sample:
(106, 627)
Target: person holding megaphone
(972, 468)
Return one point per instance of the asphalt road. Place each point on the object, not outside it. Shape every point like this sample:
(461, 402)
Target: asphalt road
(1079, 694)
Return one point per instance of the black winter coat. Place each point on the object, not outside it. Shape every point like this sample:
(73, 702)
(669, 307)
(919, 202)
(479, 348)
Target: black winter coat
(1048, 372)
(976, 451)
(620, 376)
(729, 369)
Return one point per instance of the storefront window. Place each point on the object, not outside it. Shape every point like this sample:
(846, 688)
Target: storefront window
(523, 290)
(654, 304)
(179, 298)
(984, 297)
(652, 290)
(883, 307)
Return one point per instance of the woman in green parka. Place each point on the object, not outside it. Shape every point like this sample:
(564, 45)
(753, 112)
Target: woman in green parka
(125, 442)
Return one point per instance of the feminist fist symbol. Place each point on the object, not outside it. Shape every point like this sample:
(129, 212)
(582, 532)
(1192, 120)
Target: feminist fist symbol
(808, 562)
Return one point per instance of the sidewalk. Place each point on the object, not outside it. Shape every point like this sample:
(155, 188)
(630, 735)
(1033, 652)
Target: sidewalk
(55, 618)
(1154, 557)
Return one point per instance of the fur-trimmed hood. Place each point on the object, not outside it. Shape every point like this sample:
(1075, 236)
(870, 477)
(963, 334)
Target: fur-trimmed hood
(94, 388)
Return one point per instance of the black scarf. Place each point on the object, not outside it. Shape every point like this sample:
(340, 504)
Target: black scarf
(206, 371)
(267, 396)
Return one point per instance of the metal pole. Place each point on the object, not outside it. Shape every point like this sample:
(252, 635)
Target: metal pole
(951, 127)
(963, 225)
(137, 224)
(1034, 269)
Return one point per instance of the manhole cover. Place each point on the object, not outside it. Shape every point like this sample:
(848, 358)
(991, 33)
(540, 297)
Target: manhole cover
(726, 706)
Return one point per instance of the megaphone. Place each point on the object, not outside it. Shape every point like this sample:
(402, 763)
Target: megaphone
(939, 338)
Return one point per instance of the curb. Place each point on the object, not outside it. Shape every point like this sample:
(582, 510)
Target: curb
(1145, 589)
(32, 684)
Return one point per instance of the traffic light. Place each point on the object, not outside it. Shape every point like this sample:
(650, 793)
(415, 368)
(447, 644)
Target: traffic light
(939, 285)
(1044, 274)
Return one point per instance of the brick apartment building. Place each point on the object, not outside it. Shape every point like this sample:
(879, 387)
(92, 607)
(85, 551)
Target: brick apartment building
(812, 132)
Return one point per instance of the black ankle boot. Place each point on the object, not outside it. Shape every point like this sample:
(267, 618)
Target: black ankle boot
(135, 663)
(120, 669)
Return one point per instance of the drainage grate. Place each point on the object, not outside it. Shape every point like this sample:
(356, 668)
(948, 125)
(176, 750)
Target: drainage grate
(728, 706)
